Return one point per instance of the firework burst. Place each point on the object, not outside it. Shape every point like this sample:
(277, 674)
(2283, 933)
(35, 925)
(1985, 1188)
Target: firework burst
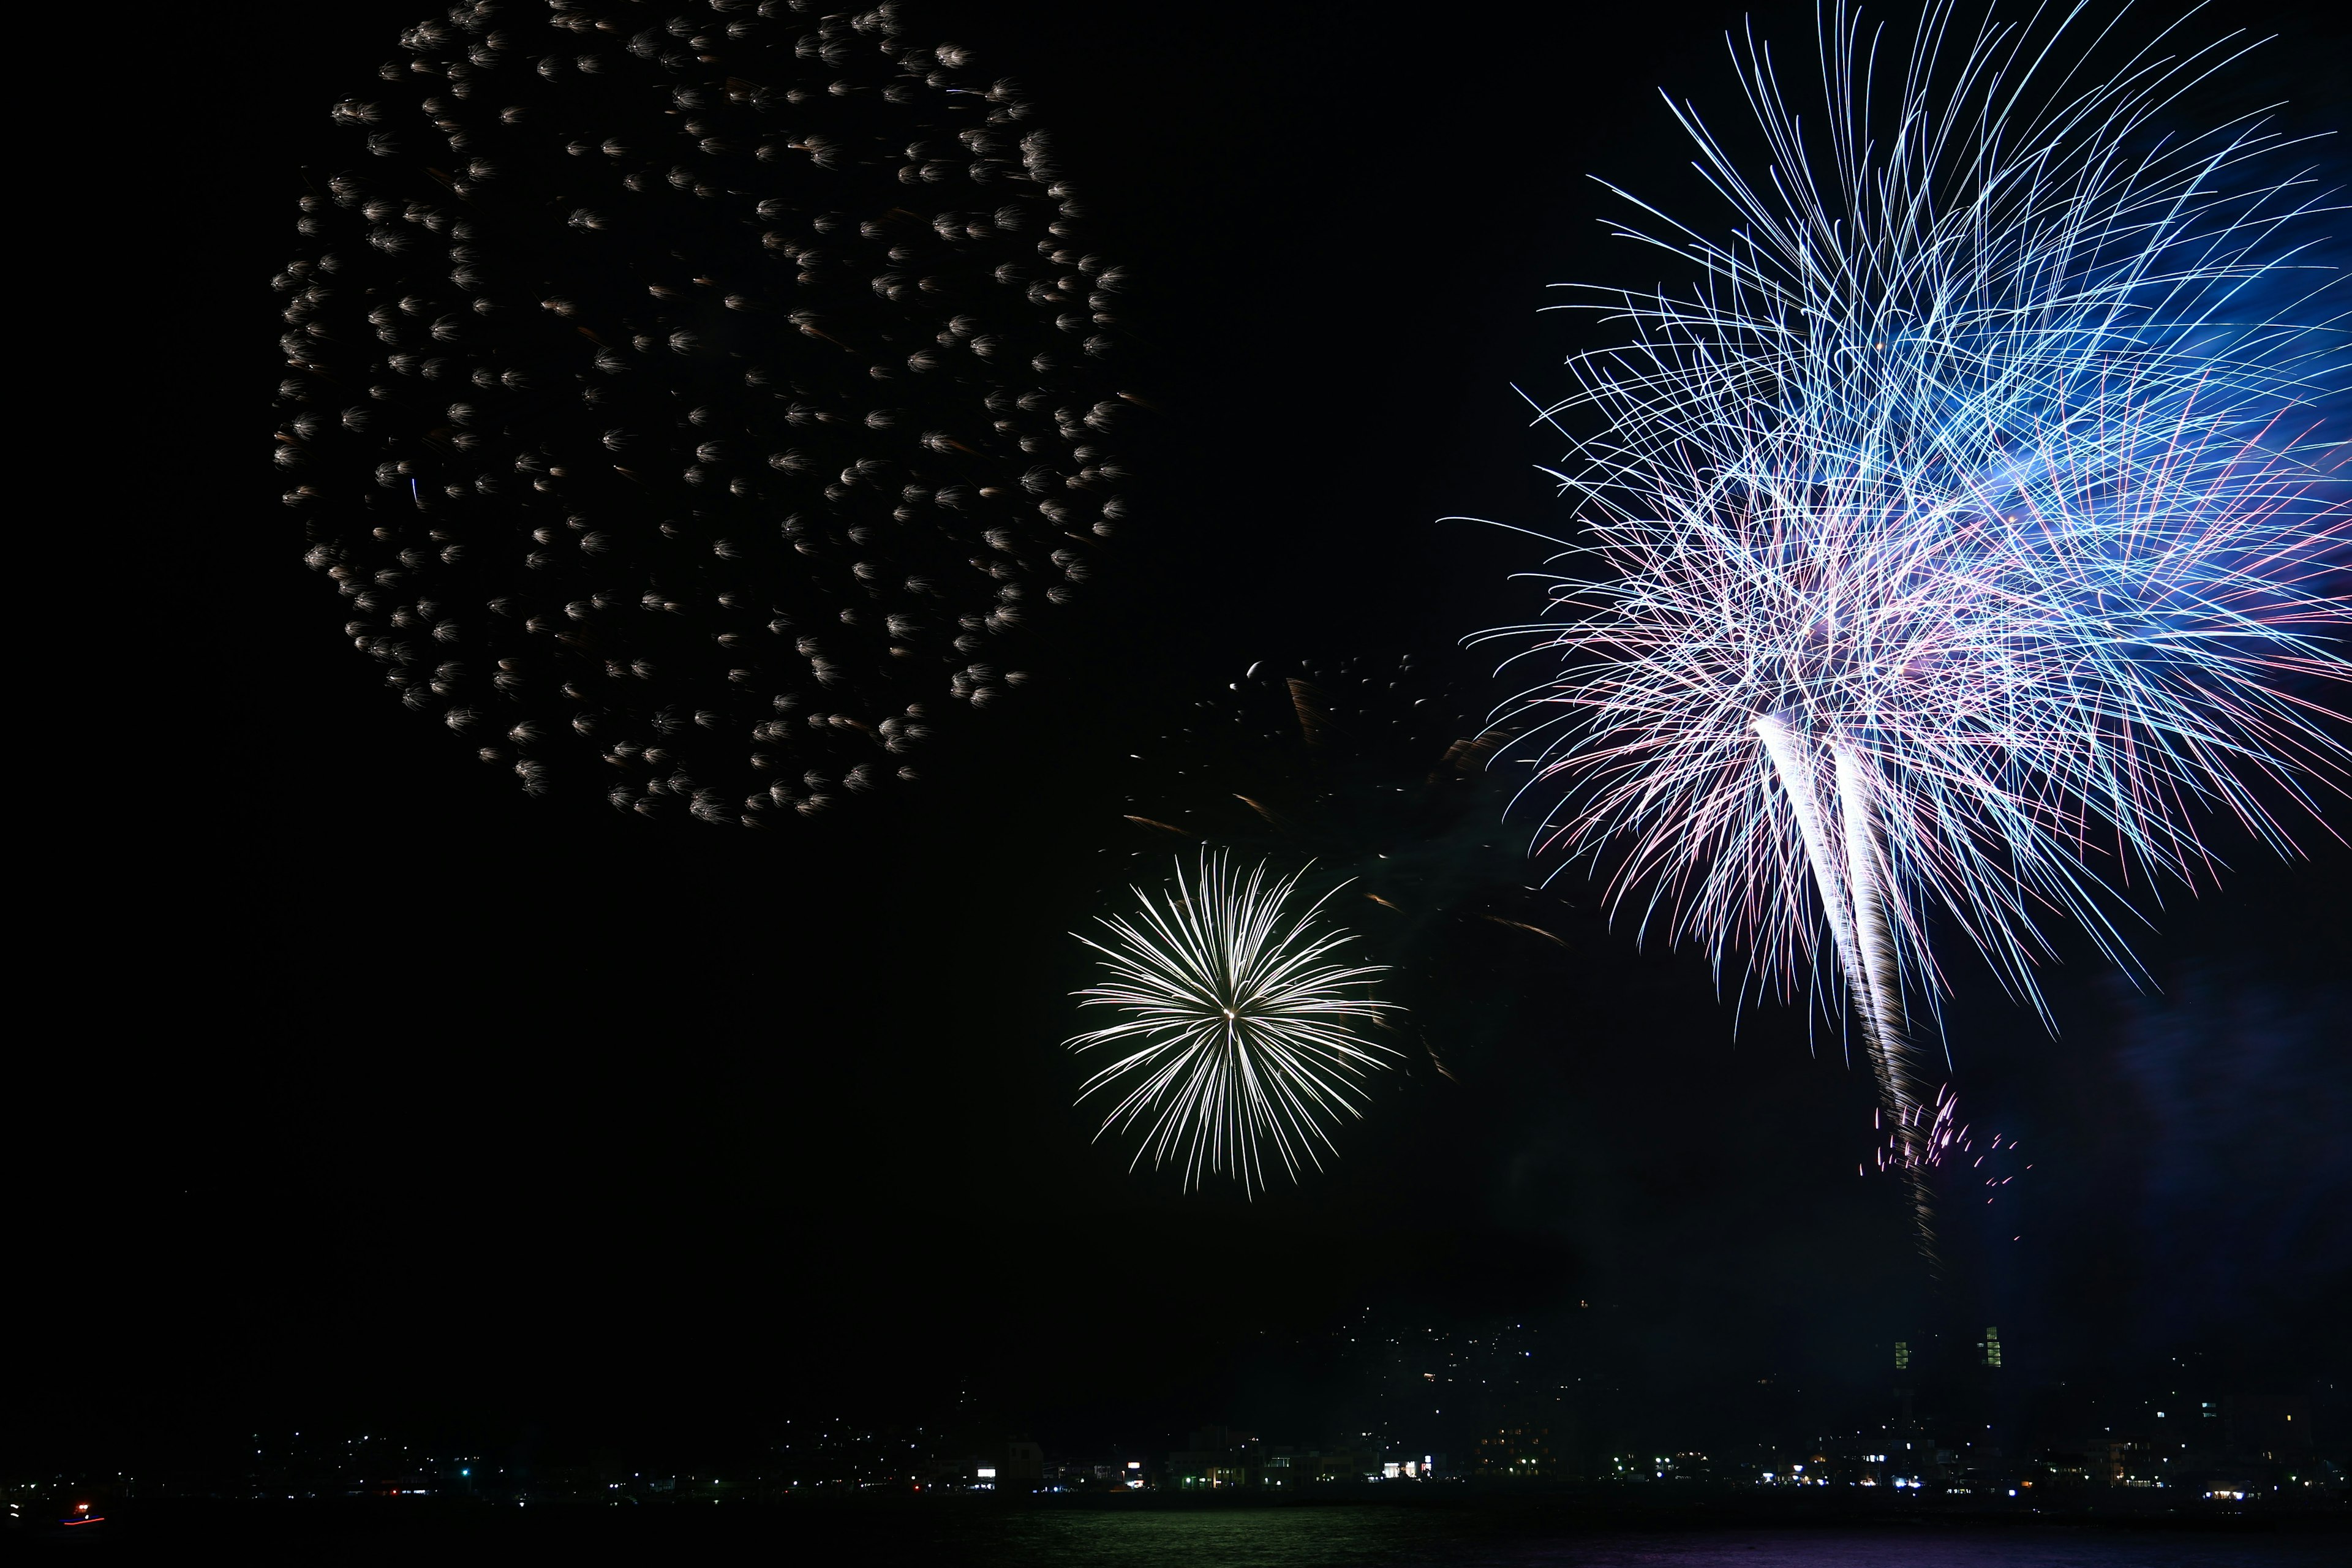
(1242, 1037)
(1961, 540)
(695, 411)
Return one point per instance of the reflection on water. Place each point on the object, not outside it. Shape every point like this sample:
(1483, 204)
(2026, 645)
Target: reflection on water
(1372, 1537)
(1252, 1537)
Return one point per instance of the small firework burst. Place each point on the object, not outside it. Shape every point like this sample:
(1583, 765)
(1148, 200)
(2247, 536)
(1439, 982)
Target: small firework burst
(1242, 1036)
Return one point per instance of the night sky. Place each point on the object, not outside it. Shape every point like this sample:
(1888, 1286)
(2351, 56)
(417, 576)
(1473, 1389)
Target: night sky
(380, 1096)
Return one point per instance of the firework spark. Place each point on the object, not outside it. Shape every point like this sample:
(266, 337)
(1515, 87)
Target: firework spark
(1961, 537)
(1242, 1037)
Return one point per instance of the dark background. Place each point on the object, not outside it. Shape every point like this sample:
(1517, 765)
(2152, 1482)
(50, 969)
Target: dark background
(368, 1095)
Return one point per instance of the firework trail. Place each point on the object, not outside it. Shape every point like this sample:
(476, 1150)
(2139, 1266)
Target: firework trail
(1241, 1036)
(686, 409)
(1959, 543)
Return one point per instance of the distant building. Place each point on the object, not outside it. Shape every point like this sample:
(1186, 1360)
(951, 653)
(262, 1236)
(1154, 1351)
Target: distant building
(1093, 1475)
(1518, 1452)
(1007, 1466)
(1988, 1348)
(1219, 1457)
(1339, 1465)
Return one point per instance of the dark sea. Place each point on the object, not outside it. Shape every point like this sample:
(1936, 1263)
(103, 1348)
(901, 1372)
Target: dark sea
(1337, 1535)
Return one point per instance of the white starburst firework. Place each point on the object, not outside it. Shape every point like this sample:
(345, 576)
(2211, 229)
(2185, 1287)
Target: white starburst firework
(1242, 1036)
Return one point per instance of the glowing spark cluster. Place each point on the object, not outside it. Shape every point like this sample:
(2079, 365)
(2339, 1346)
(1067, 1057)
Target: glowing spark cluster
(1927, 1135)
(1242, 1037)
(1958, 543)
(695, 411)
(1933, 1138)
